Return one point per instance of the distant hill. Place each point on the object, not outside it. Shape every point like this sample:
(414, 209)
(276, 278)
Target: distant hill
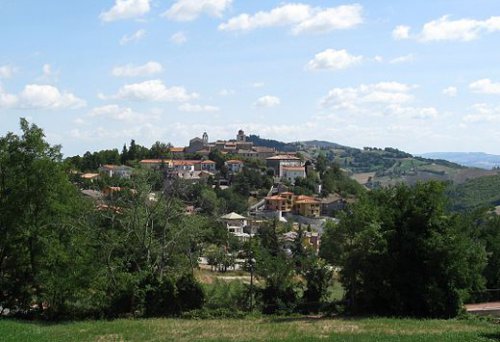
(470, 159)
(278, 145)
(376, 167)
(475, 193)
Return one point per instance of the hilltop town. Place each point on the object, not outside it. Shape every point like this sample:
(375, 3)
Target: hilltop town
(270, 184)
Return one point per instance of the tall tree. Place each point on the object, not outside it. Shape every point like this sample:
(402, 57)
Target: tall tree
(402, 254)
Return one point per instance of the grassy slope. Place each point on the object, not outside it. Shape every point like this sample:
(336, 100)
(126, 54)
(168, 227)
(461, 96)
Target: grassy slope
(484, 191)
(279, 329)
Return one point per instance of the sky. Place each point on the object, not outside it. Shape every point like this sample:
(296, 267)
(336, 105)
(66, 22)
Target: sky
(421, 76)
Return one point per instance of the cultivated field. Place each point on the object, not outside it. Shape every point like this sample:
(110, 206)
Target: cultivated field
(256, 329)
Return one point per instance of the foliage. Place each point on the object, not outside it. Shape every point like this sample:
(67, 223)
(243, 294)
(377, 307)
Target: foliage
(402, 254)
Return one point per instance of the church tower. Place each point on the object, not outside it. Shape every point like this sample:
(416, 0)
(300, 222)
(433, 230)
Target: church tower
(241, 136)
(205, 139)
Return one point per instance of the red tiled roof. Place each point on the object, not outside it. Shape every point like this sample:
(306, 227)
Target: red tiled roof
(234, 161)
(275, 198)
(177, 149)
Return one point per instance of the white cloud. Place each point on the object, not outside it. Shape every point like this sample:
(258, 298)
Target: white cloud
(483, 113)
(402, 59)
(485, 86)
(302, 18)
(47, 70)
(380, 93)
(226, 92)
(134, 37)
(188, 10)
(401, 32)
(331, 59)
(126, 9)
(130, 70)
(450, 91)
(124, 114)
(267, 101)
(35, 96)
(378, 59)
(444, 28)
(48, 97)
(154, 90)
(193, 108)
(7, 100)
(178, 38)
(257, 84)
(6, 71)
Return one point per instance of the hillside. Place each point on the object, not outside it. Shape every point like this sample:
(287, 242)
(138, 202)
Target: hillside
(470, 159)
(374, 167)
(475, 193)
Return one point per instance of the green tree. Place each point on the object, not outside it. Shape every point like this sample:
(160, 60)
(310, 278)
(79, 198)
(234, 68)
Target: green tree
(41, 215)
(402, 254)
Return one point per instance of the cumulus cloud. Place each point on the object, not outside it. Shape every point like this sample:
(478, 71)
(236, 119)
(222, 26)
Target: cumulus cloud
(36, 96)
(450, 91)
(302, 18)
(267, 101)
(7, 100)
(48, 97)
(123, 114)
(153, 90)
(6, 71)
(188, 10)
(445, 28)
(485, 86)
(401, 32)
(130, 70)
(402, 59)
(381, 93)
(134, 37)
(331, 59)
(126, 9)
(194, 108)
(483, 113)
(178, 38)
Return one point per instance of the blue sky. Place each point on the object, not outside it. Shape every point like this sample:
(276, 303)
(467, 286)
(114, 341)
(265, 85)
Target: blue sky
(417, 75)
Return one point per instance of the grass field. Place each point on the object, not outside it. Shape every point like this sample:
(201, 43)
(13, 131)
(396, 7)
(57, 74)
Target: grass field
(256, 329)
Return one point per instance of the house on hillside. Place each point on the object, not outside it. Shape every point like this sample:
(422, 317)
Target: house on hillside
(235, 224)
(234, 166)
(121, 171)
(286, 167)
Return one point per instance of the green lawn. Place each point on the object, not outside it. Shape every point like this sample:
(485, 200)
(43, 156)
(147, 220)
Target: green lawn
(268, 329)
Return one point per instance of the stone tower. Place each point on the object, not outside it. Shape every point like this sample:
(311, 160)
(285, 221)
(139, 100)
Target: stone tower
(241, 136)
(205, 139)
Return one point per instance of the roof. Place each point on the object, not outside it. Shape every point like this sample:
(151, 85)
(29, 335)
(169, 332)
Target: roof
(89, 175)
(287, 193)
(283, 157)
(233, 216)
(294, 168)
(153, 161)
(275, 198)
(177, 149)
(307, 201)
(208, 162)
(234, 161)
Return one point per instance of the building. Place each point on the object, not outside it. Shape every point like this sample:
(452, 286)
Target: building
(276, 163)
(291, 173)
(235, 224)
(234, 165)
(287, 202)
(121, 171)
(307, 206)
(155, 163)
(332, 204)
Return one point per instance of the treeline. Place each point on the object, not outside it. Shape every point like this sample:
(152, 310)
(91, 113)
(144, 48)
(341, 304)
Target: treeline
(402, 253)
(90, 161)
